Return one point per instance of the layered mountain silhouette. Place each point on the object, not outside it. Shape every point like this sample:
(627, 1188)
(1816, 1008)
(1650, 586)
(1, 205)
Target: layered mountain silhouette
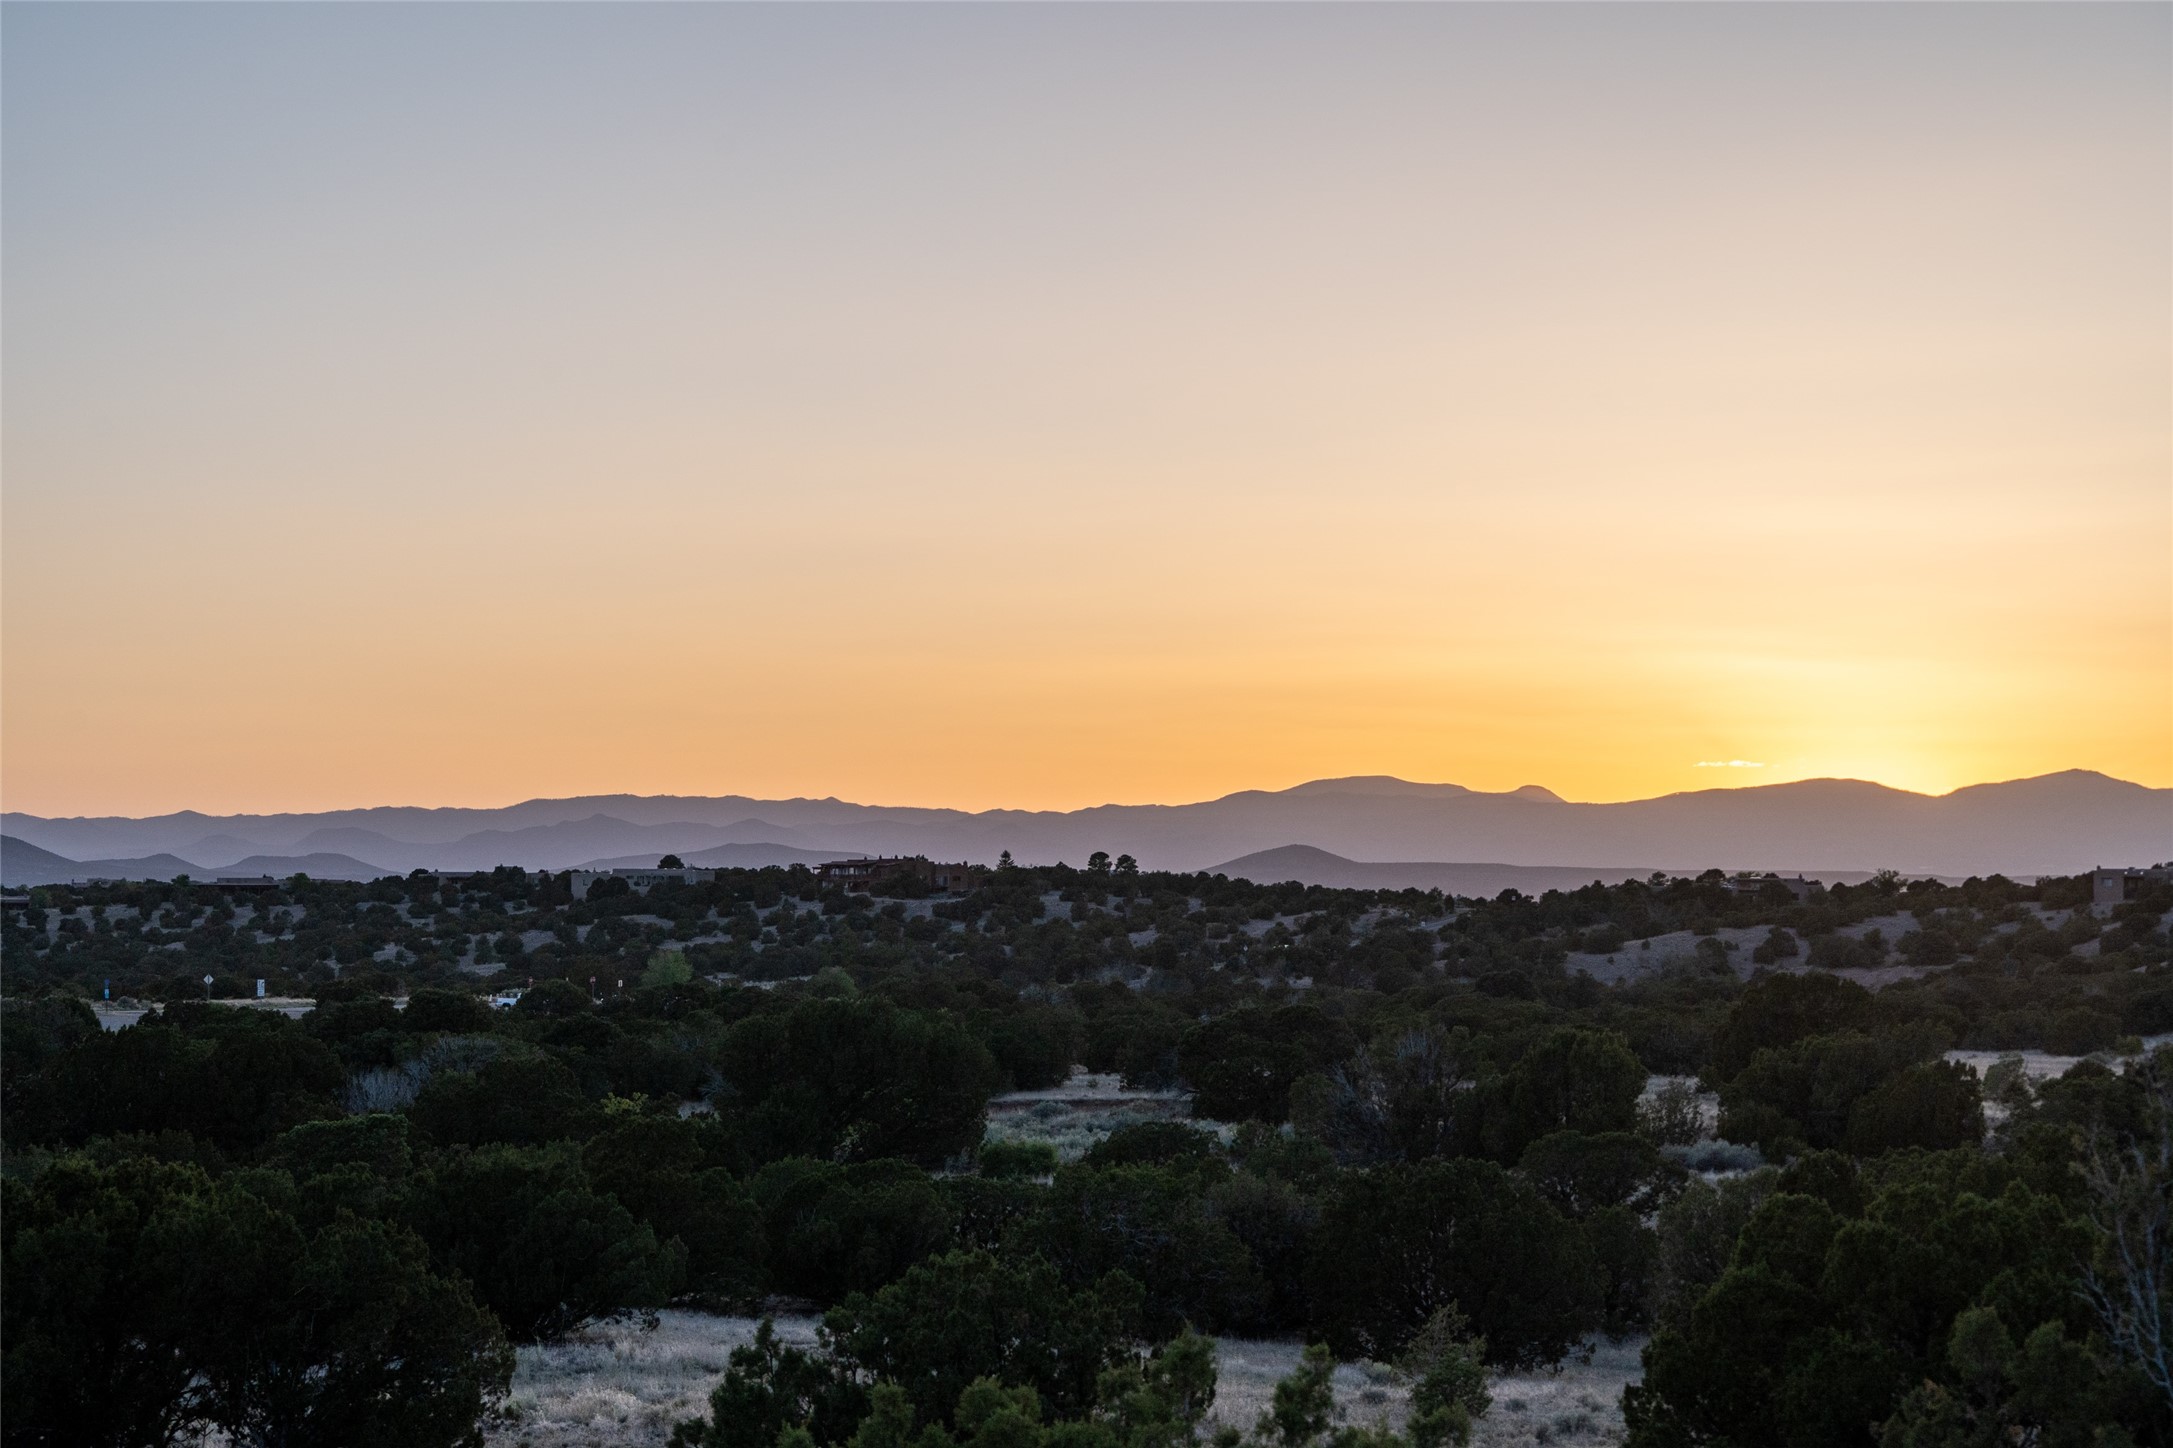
(22, 863)
(2056, 823)
(1310, 866)
(730, 857)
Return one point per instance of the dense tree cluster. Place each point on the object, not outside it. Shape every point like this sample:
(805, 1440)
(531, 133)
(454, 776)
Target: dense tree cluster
(1423, 1138)
(1930, 1297)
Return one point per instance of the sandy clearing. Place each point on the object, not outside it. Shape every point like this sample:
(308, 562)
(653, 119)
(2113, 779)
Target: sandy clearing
(2043, 1065)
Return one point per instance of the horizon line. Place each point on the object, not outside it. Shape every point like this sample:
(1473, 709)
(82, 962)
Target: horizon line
(1082, 809)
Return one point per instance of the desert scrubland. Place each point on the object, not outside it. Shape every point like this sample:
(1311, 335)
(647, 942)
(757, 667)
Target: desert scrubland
(1679, 1159)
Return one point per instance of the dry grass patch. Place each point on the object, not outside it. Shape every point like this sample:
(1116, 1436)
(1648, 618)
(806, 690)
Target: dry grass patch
(1082, 1112)
(1578, 1405)
(618, 1385)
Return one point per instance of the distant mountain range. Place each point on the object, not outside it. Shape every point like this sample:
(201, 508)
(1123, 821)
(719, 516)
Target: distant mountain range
(2055, 823)
(22, 863)
(730, 857)
(1310, 866)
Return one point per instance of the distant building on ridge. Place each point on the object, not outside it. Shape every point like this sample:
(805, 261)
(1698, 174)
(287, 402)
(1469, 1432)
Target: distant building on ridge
(2112, 887)
(865, 873)
(1796, 885)
(641, 880)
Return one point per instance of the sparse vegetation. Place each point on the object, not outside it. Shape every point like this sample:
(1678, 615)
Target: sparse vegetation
(1392, 1122)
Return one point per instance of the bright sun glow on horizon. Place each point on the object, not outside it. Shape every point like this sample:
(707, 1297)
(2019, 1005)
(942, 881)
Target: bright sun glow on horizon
(1042, 407)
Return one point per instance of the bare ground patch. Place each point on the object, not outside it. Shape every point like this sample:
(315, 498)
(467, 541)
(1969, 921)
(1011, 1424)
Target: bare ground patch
(1578, 1405)
(1075, 1116)
(618, 1385)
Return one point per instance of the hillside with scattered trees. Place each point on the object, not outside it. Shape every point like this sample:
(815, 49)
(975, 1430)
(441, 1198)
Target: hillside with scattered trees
(1450, 1135)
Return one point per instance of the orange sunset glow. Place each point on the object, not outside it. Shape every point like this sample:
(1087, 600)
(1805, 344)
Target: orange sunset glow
(1039, 406)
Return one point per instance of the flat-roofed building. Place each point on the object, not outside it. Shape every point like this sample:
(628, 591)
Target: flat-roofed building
(1795, 885)
(865, 873)
(641, 880)
(2116, 886)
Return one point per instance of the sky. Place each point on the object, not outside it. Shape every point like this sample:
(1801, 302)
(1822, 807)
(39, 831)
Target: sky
(1043, 406)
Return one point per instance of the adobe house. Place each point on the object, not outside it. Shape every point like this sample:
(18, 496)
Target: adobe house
(1795, 885)
(862, 875)
(579, 881)
(2111, 887)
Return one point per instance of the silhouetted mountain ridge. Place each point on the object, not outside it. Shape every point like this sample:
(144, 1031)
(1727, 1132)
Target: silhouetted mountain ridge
(1309, 866)
(22, 864)
(2057, 823)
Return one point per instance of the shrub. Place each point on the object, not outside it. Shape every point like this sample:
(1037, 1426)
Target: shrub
(857, 1079)
(237, 1079)
(1934, 1105)
(1399, 1243)
(544, 1251)
(1928, 947)
(1779, 944)
(1779, 1010)
(1805, 1094)
(146, 1303)
(1008, 1160)
(1819, 1324)
(1584, 1174)
(1035, 1046)
(1151, 1143)
(1242, 1065)
(1156, 1226)
(666, 968)
(1672, 1116)
(1446, 1363)
(1842, 952)
(1408, 1096)
(833, 1230)
(454, 1012)
(2080, 1030)
(521, 1098)
(1572, 1080)
(770, 1389)
(662, 1169)
(967, 1315)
